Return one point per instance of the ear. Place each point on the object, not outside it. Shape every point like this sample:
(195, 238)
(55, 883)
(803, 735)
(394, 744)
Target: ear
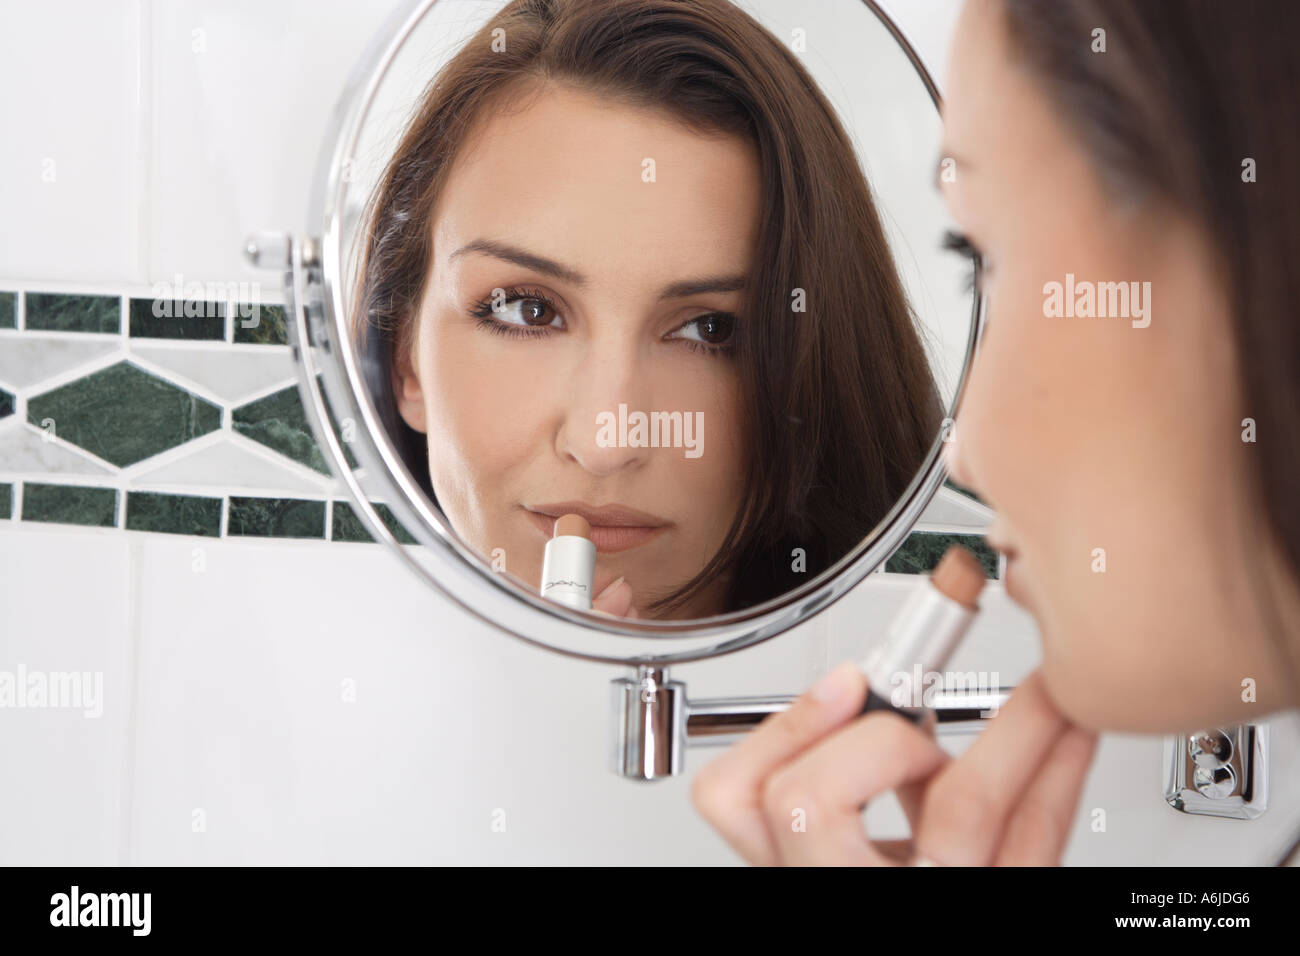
(408, 392)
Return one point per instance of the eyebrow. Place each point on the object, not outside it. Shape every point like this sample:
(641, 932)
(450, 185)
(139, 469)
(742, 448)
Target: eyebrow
(522, 257)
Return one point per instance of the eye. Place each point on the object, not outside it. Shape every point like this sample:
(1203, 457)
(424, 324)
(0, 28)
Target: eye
(519, 312)
(957, 242)
(714, 329)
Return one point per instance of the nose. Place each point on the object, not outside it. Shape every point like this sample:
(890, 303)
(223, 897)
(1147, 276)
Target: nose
(607, 388)
(956, 457)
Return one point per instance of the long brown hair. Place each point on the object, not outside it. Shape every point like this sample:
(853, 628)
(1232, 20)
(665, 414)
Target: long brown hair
(839, 405)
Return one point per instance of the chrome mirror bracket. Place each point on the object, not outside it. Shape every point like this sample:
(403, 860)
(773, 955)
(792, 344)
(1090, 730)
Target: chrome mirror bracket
(1219, 771)
(654, 721)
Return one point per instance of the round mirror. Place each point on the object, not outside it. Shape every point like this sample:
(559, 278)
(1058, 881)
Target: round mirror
(678, 268)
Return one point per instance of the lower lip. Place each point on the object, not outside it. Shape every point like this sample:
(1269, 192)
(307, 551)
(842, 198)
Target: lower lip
(608, 538)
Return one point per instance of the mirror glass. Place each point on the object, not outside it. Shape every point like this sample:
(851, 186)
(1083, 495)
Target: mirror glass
(677, 268)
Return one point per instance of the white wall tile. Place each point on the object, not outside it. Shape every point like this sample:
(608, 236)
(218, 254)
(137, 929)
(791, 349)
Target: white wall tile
(242, 712)
(83, 224)
(242, 94)
(65, 598)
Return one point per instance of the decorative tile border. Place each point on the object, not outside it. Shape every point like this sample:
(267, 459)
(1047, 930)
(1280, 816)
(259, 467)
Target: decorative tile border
(160, 415)
(183, 417)
(921, 550)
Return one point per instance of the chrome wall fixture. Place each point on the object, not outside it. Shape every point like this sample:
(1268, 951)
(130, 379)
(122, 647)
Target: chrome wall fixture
(655, 721)
(1219, 772)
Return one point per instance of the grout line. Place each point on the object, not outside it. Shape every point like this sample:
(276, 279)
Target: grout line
(144, 141)
(127, 790)
(20, 311)
(130, 289)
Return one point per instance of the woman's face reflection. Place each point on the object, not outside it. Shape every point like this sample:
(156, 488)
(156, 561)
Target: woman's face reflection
(565, 245)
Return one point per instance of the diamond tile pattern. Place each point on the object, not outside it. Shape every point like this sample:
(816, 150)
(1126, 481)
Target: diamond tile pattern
(278, 421)
(123, 414)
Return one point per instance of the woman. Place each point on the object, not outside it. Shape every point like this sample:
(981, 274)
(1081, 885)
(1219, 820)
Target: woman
(1100, 141)
(636, 207)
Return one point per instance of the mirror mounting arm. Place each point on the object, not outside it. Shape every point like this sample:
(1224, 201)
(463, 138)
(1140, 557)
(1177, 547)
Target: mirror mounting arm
(654, 721)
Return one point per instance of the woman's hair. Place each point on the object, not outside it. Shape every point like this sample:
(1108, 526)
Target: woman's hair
(1195, 104)
(839, 409)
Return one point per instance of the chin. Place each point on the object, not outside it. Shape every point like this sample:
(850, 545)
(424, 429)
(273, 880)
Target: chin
(1083, 703)
(1098, 692)
(1102, 698)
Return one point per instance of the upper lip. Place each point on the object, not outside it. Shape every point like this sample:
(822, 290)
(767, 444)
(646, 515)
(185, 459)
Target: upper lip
(611, 515)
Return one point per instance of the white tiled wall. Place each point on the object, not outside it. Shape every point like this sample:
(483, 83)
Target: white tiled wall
(279, 701)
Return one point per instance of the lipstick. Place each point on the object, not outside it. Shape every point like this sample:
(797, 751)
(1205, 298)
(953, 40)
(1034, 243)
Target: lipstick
(923, 635)
(569, 563)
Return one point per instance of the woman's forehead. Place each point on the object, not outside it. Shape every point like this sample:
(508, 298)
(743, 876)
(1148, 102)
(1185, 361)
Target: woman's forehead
(608, 185)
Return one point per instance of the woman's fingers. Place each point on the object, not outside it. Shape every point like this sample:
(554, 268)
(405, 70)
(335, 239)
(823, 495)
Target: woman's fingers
(729, 791)
(1040, 824)
(911, 797)
(968, 803)
(792, 791)
(616, 599)
(814, 803)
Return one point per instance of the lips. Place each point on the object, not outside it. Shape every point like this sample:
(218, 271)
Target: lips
(614, 527)
(1011, 582)
(1011, 574)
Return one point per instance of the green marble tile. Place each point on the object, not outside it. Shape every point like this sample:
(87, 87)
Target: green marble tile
(173, 514)
(123, 414)
(6, 502)
(264, 328)
(278, 421)
(963, 491)
(8, 310)
(54, 312)
(6, 404)
(276, 518)
(348, 526)
(70, 504)
(921, 551)
(175, 319)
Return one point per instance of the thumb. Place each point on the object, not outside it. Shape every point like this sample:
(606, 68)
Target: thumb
(615, 599)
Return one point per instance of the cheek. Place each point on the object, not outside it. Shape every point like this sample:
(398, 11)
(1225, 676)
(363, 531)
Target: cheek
(483, 411)
(706, 487)
(1007, 405)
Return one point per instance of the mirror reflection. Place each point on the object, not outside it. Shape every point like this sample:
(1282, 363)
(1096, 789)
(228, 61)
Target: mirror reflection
(625, 261)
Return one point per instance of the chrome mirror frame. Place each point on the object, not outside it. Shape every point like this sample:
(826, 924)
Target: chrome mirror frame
(330, 380)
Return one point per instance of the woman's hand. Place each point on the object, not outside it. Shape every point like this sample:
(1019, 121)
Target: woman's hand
(616, 599)
(792, 792)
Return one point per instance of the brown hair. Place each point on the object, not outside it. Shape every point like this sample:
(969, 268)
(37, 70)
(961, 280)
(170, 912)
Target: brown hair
(1184, 94)
(840, 409)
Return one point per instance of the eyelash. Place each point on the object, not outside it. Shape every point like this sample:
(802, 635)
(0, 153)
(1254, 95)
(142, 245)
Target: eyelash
(482, 310)
(957, 242)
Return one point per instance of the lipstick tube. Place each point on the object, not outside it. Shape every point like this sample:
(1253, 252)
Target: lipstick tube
(922, 636)
(569, 563)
